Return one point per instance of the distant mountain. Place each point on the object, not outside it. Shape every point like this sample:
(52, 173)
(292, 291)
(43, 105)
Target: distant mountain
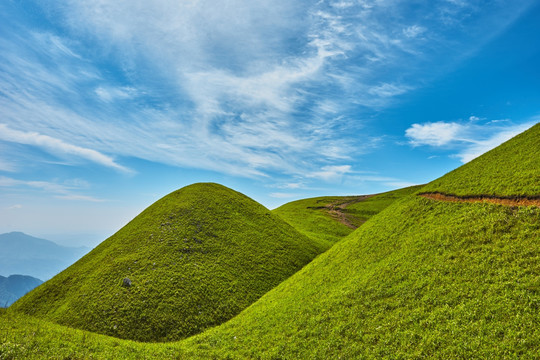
(15, 286)
(40, 258)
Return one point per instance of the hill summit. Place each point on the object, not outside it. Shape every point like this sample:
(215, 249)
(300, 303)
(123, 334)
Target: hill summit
(192, 260)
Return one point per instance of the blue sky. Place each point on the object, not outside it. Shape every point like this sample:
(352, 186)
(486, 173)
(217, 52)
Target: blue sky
(106, 106)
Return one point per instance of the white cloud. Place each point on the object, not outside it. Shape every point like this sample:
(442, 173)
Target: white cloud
(280, 195)
(482, 146)
(57, 146)
(331, 172)
(291, 185)
(342, 4)
(242, 87)
(78, 197)
(470, 139)
(62, 191)
(435, 134)
(414, 31)
(388, 90)
(109, 94)
(400, 184)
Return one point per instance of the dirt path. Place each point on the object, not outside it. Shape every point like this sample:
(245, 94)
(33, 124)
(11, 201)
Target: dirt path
(336, 209)
(510, 201)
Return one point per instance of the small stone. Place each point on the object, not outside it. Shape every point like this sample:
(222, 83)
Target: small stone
(126, 282)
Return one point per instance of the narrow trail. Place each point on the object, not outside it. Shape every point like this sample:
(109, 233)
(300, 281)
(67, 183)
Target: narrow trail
(336, 209)
(509, 201)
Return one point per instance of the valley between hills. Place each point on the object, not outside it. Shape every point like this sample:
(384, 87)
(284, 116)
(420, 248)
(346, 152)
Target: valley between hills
(450, 269)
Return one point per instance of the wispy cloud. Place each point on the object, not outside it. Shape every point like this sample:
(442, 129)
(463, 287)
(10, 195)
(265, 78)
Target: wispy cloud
(57, 146)
(61, 191)
(7, 166)
(109, 94)
(470, 139)
(331, 172)
(242, 87)
(280, 195)
(413, 31)
(389, 90)
(479, 147)
(14, 207)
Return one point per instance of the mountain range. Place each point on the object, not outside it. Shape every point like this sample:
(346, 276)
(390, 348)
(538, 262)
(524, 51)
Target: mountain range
(24, 254)
(15, 286)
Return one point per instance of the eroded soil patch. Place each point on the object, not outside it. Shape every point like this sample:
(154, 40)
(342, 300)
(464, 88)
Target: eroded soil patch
(507, 201)
(336, 209)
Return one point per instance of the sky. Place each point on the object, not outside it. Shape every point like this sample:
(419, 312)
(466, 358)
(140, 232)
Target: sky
(107, 106)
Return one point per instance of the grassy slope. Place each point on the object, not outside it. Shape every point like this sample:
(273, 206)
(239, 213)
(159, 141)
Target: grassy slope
(307, 216)
(508, 170)
(450, 281)
(422, 279)
(364, 210)
(196, 258)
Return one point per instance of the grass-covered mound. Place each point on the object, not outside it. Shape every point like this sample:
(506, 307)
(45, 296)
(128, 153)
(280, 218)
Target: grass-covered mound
(193, 259)
(328, 219)
(421, 279)
(510, 170)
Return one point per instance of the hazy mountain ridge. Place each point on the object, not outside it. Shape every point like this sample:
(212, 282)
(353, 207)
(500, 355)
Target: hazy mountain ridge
(24, 254)
(15, 286)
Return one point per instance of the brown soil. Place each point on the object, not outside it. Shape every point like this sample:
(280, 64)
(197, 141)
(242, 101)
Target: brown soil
(507, 201)
(336, 209)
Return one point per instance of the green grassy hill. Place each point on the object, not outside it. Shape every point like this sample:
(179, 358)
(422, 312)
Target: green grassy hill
(328, 219)
(193, 259)
(421, 279)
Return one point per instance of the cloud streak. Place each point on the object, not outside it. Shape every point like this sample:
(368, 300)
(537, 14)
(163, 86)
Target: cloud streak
(60, 191)
(470, 139)
(57, 146)
(242, 87)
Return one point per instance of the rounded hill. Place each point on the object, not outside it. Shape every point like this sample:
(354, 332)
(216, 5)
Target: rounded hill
(192, 260)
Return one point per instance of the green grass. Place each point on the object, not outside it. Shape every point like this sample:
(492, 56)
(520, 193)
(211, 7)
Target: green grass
(310, 217)
(421, 279)
(443, 280)
(511, 169)
(196, 258)
(26, 337)
(307, 217)
(364, 210)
